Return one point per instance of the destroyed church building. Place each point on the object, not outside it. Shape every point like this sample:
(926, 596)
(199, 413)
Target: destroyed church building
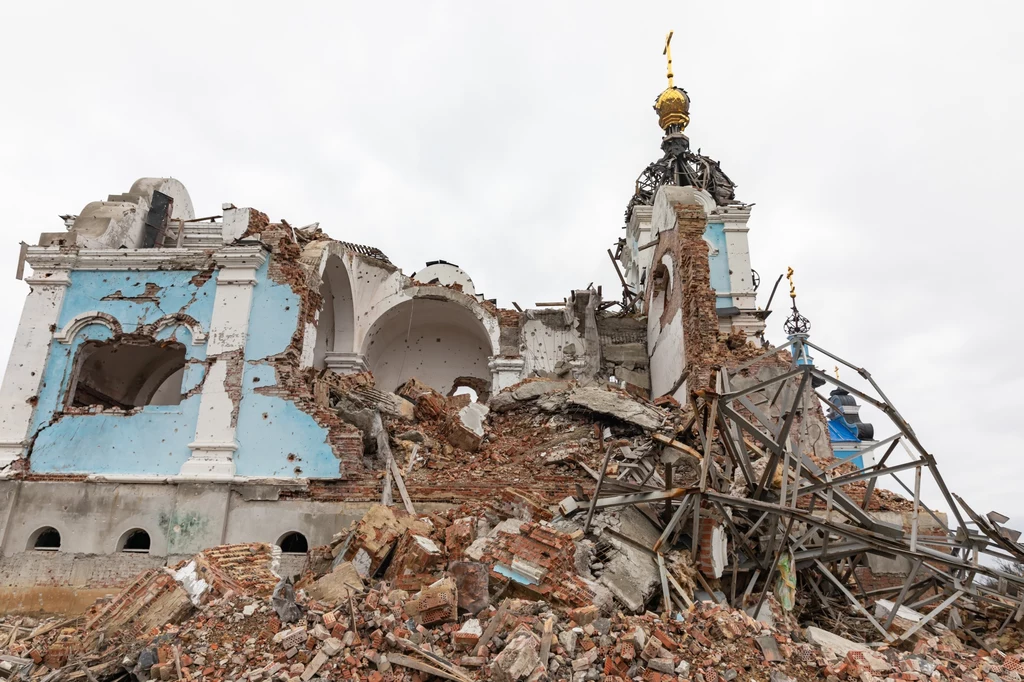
(181, 381)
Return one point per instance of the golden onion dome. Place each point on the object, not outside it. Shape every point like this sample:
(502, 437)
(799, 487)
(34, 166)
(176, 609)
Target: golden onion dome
(673, 107)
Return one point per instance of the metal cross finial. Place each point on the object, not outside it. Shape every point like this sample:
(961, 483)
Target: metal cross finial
(668, 53)
(837, 371)
(792, 287)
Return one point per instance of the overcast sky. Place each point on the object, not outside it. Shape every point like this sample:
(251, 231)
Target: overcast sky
(881, 142)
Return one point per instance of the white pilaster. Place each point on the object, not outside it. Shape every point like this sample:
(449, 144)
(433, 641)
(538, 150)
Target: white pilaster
(638, 233)
(741, 278)
(27, 362)
(505, 372)
(214, 445)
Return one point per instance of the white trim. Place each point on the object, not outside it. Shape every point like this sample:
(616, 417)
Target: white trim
(235, 257)
(79, 322)
(214, 446)
(740, 215)
(42, 258)
(199, 336)
(171, 479)
(496, 364)
(54, 278)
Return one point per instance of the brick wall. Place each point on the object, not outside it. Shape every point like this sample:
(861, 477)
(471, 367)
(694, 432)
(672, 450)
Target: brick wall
(62, 569)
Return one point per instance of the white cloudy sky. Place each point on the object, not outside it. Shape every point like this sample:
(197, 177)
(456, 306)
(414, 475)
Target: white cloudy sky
(880, 141)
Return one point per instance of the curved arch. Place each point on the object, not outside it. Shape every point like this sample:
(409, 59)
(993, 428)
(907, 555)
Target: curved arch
(195, 329)
(335, 327)
(659, 285)
(706, 201)
(293, 542)
(135, 540)
(46, 539)
(159, 373)
(438, 336)
(83, 320)
(487, 319)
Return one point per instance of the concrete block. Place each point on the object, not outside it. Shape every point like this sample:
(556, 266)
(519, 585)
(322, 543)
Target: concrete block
(518, 660)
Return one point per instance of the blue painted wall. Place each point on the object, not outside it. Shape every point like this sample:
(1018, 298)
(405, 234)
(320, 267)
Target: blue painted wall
(275, 438)
(154, 441)
(714, 234)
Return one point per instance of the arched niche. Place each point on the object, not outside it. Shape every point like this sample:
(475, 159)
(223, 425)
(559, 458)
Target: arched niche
(336, 321)
(438, 341)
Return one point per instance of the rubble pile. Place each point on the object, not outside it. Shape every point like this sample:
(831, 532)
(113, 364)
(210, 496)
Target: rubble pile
(474, 593)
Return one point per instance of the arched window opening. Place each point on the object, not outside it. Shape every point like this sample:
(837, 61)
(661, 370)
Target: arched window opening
(135, 541)
(660, 280)
(45, 540)
(293, 543)
(127, 373)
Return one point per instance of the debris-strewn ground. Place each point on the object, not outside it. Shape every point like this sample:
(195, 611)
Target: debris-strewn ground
(483, 591)
(505, 586)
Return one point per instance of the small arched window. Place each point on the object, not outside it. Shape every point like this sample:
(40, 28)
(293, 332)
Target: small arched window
(134, 541)
(46, 539)
(293, 543)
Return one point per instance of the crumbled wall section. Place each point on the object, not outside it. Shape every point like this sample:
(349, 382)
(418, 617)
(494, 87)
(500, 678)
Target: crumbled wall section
(510, 323)
(624, 351)
(293, 383)
(689, 290)
(700, 320)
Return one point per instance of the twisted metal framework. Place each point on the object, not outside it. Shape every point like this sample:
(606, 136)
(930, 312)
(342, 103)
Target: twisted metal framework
(680, 166)
(796, 323)
(810, 518)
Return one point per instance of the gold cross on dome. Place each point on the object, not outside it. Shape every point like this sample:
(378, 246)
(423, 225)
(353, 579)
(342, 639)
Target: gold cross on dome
(668, 53)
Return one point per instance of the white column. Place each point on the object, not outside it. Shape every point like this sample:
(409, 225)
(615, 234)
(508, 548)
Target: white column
(214, 446)
(27, 363)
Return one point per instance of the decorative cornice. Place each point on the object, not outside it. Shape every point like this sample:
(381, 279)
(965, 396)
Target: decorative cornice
(734, 215)
(43, 258)
(214, 446)
(345, 363)
(499, 364)
(51, 278)
(241, 257)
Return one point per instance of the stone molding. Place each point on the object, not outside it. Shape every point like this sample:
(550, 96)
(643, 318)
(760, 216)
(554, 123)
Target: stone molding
(42, 258)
